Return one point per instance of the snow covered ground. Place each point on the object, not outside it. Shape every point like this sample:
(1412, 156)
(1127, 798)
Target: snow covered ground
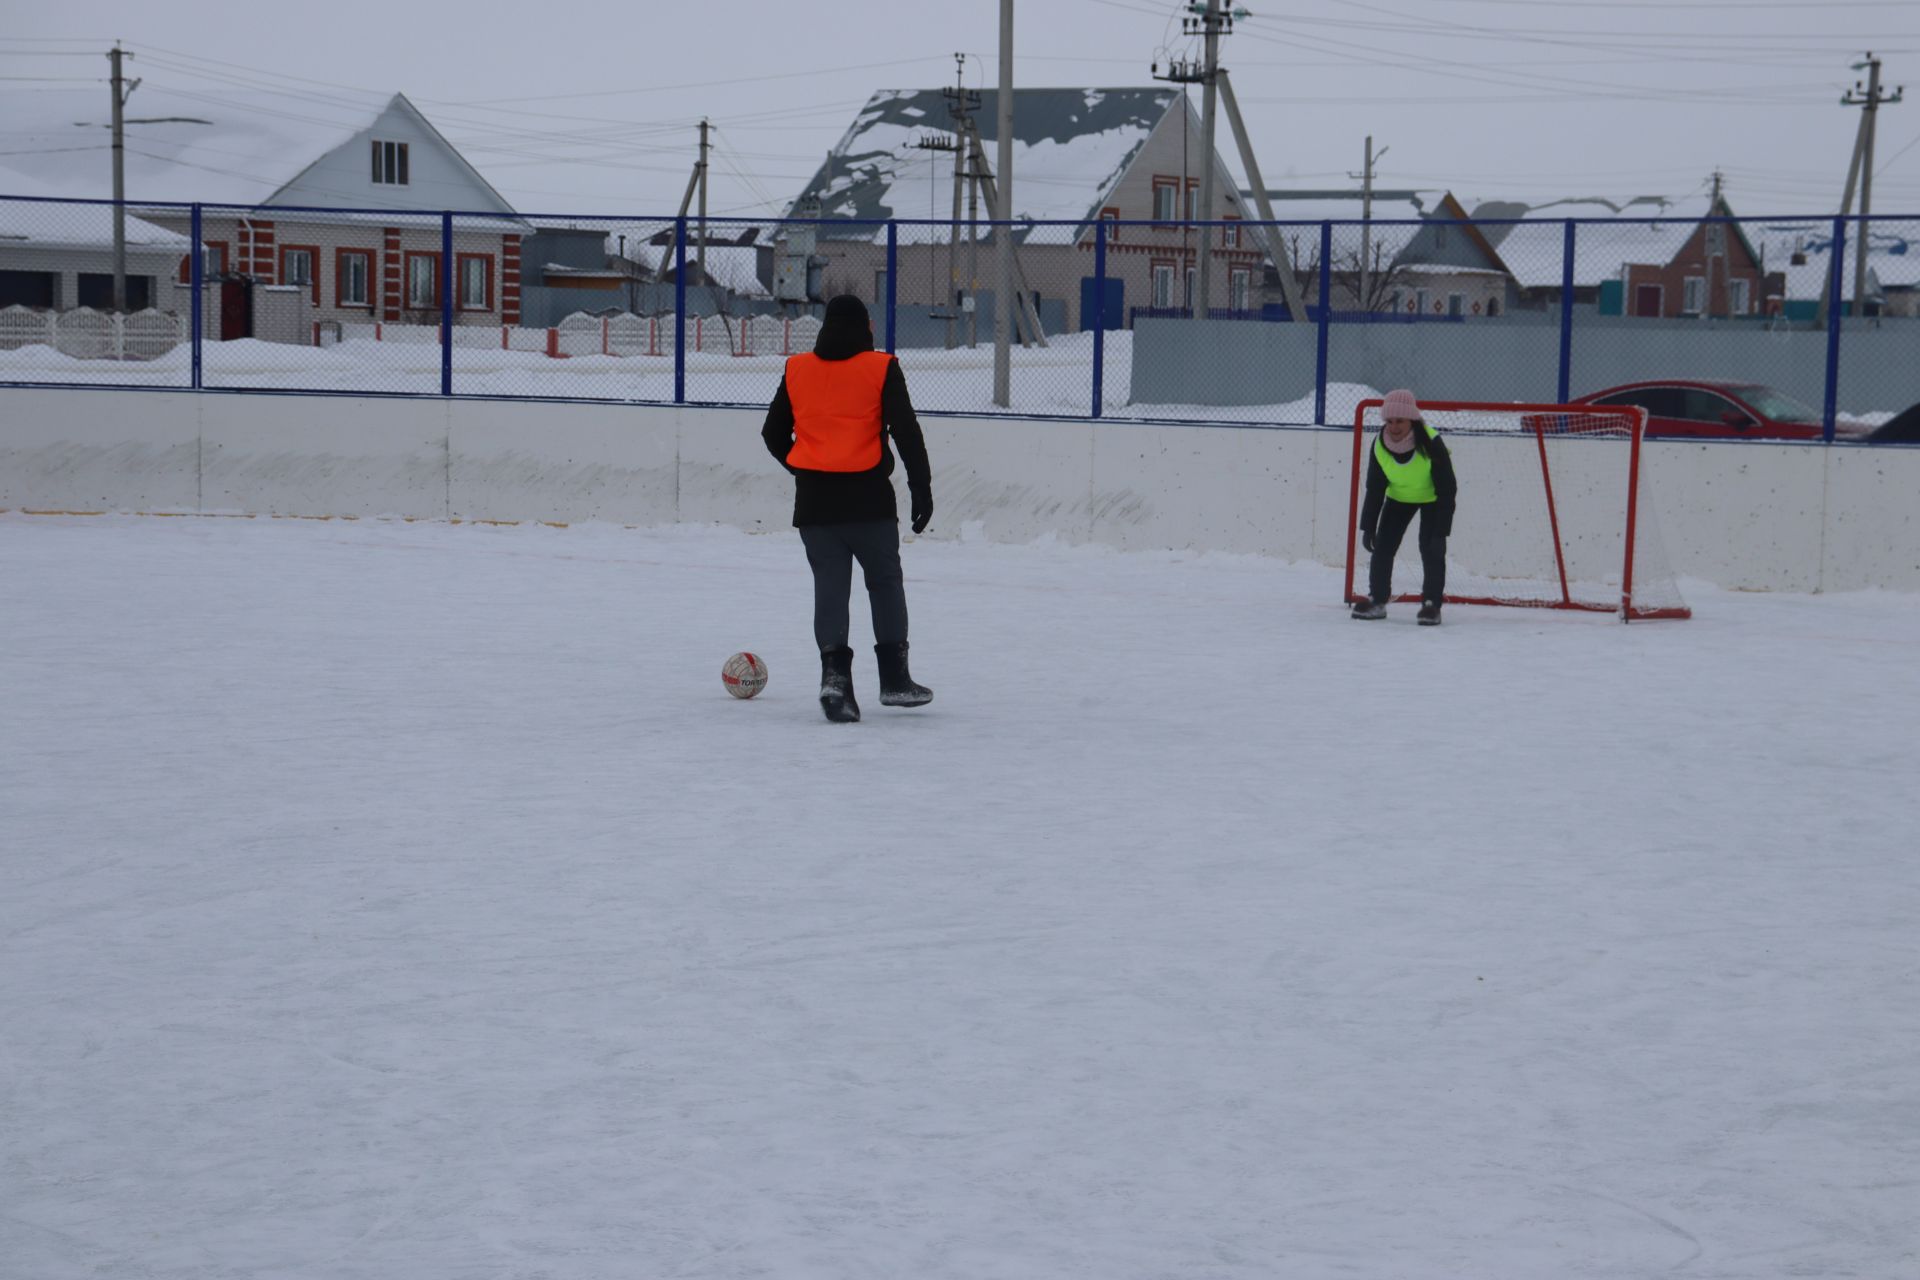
(404, 900)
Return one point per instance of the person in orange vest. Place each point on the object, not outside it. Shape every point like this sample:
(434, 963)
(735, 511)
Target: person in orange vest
(829, 424)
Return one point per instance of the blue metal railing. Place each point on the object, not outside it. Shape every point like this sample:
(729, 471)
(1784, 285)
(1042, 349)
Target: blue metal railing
(1519, 292)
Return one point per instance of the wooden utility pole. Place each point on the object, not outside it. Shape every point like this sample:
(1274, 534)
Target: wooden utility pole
(1210, 23)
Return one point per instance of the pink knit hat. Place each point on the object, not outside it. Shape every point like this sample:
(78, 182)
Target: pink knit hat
(1400, 404)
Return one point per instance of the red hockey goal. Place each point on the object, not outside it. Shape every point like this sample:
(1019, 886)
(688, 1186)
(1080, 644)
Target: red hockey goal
(1554, 509)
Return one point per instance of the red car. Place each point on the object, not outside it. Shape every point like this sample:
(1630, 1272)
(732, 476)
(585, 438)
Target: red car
(1691, 408)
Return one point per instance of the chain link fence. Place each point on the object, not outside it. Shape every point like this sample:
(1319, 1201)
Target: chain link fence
(1777, 328)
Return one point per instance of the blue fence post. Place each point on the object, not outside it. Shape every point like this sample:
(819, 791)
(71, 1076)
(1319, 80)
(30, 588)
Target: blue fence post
(1564, 387)
(446, 303)
(1326, 306)
(1099, 312)
(1835, 307)
(680, 311)
(195, 253)
(893, 278)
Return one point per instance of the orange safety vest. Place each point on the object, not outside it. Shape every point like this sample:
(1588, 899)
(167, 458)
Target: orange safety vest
(836, 411)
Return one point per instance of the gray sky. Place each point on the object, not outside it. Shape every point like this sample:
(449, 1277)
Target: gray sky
(591, 106)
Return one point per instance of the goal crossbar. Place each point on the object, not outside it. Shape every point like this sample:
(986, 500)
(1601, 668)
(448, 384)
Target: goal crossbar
(1543, 422)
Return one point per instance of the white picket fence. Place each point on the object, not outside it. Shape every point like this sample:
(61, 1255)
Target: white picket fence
(87, 334)
(584, 334)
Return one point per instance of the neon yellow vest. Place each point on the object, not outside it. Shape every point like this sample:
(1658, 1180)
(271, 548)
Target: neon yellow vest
(1411, 481)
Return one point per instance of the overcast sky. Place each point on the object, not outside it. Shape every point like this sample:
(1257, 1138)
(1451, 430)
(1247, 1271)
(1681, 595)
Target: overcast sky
(591, 106)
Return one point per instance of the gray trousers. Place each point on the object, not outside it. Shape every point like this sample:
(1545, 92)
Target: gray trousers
(831, 550)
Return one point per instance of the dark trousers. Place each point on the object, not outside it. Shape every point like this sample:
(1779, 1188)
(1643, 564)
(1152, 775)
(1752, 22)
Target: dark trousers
(1394, 519)
(831, 550)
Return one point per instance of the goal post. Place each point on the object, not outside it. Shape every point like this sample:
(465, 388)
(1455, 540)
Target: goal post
(1553, 512)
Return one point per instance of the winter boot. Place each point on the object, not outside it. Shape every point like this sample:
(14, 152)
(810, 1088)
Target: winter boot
(836, 686)
(897, 688)
(1369, 610)
(1429, 615)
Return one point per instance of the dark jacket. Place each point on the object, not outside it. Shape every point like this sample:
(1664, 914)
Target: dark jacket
(840, 497)
(1445, 486)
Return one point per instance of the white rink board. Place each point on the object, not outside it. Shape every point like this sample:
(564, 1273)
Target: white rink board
(1753, 516)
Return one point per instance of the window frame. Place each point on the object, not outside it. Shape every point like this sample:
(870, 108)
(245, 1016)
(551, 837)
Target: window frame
(408, 258)
(313, 267)
(460, 299)
(1161, 302)
(1693, 295)
(390, 163)
(1240, 288)
(1171, 215)
(340, 298)
(1740, 296)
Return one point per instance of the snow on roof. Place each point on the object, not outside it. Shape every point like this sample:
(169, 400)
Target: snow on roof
(1069, 147)
(76, 226)
(1893, 255)
(731, 266)
(227, 147)
(1535, 250)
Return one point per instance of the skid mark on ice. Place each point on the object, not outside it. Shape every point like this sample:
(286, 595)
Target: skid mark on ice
(1665, 1224)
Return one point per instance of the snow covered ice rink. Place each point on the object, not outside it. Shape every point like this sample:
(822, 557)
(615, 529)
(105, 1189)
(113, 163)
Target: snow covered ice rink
(402, 901)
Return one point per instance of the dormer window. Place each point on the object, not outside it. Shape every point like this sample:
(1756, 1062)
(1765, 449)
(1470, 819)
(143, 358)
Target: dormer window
(390, 162)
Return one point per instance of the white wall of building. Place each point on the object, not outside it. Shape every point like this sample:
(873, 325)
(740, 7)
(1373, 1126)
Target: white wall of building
(1744, 515)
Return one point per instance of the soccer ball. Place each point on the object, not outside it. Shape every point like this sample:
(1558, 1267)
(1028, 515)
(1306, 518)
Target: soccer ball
(744, 675)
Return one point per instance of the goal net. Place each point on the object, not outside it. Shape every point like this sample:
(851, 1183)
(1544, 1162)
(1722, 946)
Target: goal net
(1555, 510)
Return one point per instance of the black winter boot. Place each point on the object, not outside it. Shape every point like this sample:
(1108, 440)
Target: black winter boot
(1369, 610)
(836, 686)
(1429, 615)
(897, 688)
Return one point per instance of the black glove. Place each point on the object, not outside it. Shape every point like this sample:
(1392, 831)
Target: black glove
(922, 503)
(1366, 540)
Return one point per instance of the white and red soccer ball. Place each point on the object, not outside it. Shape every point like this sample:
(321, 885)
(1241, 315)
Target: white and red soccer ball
(744, 675)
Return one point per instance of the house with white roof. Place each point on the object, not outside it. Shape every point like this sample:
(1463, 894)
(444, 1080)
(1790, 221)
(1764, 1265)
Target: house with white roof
(1803, 247)
(271, 174)
(1652, 256)
(1128, 156)
(56, 257)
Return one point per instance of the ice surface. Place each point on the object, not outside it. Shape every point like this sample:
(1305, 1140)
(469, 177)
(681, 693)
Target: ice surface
(405, 900)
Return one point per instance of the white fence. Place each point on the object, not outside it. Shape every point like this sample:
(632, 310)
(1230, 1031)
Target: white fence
(86, 334)
(586, 334)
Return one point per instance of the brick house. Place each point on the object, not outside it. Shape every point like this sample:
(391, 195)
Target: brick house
(382, 265)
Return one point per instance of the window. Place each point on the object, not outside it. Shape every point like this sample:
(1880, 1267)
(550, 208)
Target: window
(213, 260)
(353, 274)
(1166, 200)
(1440, 236)
(1230, 234)
(1693, 300)
(476, 282)
(1111, 217)
(1420, 301)
(1697, 405)
(1193, 199)
(1738, 296)
(1163, 284)
(96, 291)
(1659, 402)
(27, 288)
(297, 266)
(1493, 306)
(1240, 289)
(423, 279)
(390, 163)
(1193, 286)
(1456, 305)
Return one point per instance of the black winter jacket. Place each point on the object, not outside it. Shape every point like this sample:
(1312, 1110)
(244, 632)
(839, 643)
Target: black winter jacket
(1446, 486)
(843, 497)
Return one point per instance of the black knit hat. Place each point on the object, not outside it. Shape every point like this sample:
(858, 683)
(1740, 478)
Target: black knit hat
(845, 330)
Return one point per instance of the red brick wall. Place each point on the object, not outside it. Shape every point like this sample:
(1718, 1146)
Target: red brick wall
(392, 288)
(510, 279)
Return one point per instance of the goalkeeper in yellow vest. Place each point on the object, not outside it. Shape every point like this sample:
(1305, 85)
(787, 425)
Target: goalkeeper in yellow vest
(1410, 473)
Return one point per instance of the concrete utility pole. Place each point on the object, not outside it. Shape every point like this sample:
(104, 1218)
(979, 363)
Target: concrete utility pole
(122, 90)
(1863, 149)
(1210, 20)
(1283, 266)
(700, 245)
(1366, 220)
(1003, 214)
